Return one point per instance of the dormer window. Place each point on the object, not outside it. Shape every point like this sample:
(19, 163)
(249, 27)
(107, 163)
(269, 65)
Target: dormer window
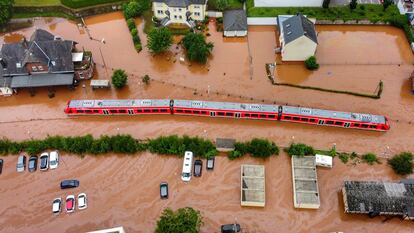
(287, 25)
(18, 65)
(53, 63)
(289, 32)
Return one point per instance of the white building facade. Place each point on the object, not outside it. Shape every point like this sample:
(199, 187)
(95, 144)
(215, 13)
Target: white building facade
(286, 3)
(179, 11)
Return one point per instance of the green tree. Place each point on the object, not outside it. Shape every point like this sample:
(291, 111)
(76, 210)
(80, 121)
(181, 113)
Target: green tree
(353, 4)
(300, 150)
(387, 3)
(133, 9)
(311, 63)
(146, 79)
(131, 24)
(185, 220)
(197, 49)
(325, 4)
(119, 78)
(262, 148)
(6, 11)
(222, 5)
(402, 163)
(159, 40)
(370, 158)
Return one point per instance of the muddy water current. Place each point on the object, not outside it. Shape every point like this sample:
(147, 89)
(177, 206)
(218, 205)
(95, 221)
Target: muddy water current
(124, 191)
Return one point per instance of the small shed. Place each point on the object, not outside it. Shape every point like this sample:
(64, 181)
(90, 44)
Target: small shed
(323, 160)
(100, 84)
(235, 23)
(252, 185)
(225, 144)
(305, 183)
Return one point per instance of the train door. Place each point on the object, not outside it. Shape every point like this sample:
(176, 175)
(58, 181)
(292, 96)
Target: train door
(212, 114)
(237, 115)
(320, 122)
(347, 124)
(105, 112)
(130, 112)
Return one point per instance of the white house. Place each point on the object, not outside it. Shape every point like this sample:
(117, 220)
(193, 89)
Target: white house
(235, 23)
(286, 3)
(298, 39)
(184, 12)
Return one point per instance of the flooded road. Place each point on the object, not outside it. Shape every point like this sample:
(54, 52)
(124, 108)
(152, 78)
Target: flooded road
(125, 191)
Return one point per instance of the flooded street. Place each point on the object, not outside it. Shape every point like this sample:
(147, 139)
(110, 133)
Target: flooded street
(124, 190)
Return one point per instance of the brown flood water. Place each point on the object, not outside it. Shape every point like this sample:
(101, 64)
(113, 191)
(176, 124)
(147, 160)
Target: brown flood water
(229, 72)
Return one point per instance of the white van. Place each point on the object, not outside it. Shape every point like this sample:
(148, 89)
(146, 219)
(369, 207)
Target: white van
(53, 159)
(187, 166)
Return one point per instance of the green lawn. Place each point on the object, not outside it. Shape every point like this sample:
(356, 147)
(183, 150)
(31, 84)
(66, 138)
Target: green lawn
(233, 4)
(36, 2)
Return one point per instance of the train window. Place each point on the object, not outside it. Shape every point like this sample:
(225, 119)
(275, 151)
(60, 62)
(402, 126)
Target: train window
(295, 118)
(312, 120)
(338, 123)
(196, 112)
(220, 113)
(88, 111)
(147, 110)
(255, 115)
(304, 119)
(373, 126)
(271, 116)
(364, 126)
(288, 118)
(356, 124)
(139, 110)
(95, 111)
(262, 115)
(246, 115)
(203, 112)
(229, 114)
(179, 110)
(113, 111)
(155, 110)
(79, 111)
(187, 111)
(163, 110)
(122, 111)
(329, 122)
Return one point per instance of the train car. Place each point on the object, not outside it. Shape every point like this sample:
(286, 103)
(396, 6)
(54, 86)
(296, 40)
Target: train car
(226, 109)
(334, 118)
(118, 107)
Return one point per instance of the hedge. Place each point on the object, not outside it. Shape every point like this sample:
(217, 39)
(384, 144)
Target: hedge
(85, 3)
(300, 150)
(260, 148)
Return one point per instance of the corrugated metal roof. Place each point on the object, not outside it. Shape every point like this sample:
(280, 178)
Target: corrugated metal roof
(225, 106)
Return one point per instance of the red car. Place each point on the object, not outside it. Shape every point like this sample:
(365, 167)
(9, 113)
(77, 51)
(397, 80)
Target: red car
(70, 203)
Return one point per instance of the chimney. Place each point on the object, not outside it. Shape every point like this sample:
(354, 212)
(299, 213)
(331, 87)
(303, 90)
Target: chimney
(3, 63)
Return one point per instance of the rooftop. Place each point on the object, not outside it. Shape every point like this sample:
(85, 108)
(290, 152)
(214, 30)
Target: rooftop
(305, 183)
(181, 3)
(253, 185)
(297, 26)
(235, 20)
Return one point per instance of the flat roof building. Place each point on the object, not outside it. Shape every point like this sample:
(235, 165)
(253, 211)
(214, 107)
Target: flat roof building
(253, 185)
(225, 144)
(305, 183)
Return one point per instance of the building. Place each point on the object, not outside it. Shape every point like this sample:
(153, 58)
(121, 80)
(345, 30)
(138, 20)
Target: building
(252, 185)
(406, 8)
(287, 3)
(298, 38)
(181, 12)
(379, 198)
(112, 230)
(305, 183)
(43, 61)
(235, 23)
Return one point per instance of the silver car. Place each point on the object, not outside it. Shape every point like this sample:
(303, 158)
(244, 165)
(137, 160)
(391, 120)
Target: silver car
(21, 163)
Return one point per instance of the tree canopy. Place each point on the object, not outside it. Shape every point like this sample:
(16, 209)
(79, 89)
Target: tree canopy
(159, 40)
(6, 11)
(197, 49)
(183, 220)
(402, 163)
(119, 78)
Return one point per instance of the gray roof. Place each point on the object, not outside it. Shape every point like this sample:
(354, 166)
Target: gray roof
(181, 3)
(227, 143)
(235, 20)
(297, 26)
(42, 80)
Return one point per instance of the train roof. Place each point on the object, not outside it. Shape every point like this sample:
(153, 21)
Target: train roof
(119, 103)
(225, 106)
(334, 114)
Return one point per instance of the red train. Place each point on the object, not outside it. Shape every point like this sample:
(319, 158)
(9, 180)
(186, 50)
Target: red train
(230, 110)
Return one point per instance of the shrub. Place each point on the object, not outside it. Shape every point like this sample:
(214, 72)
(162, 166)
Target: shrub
(300, 150)
(119, 78)
(178, 145)
(159, 40)
(262, 148)
(131, 24)
(362, 7)
(344, 157)
(197, 49)
(402, 163)
(133, 9)
(370, 158)
(136, 39)
(138, 47)
(134, 32)
(311, 63)
(234, 154)
(123, 144)
(146, 79)
(325, 4)
(222, 5)
(241, 147)
(387, 3)
(183, 220)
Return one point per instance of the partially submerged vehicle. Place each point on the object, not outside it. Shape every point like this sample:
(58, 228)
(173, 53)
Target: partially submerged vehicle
(210, 163)
(198, 168)
(56, 205)
(164, 190)
(53, 159)
(44, 161)
(32, 167)
(21, 163)
(187, 166)
(82, 201)
(70, 203)
(67, 184)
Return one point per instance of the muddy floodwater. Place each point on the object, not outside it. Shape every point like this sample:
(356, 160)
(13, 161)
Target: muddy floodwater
(124, 190)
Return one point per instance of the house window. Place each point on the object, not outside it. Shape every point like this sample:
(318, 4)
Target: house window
(196, 7)
(175, 17)
(181, 17)
(197, 13)
(160, 12)
(179, 9)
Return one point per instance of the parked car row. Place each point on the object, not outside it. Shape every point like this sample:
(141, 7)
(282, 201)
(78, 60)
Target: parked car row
(198, 166)
(70, 203)
(47, 161)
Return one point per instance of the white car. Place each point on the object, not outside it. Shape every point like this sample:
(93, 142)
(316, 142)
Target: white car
(82, 201)
(70, 203)
(53, 159)
(56, 206)
(44, 161)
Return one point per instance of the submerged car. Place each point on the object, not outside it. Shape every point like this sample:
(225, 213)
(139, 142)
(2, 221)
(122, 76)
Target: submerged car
(32, 163)
(56, 205)
(164, 190)
(21, 163)
(198, 167)
(53, 159)
(44, 161)
(210, 163)
(230, 228)
(82, 201)
(67, 184)
(70, 203)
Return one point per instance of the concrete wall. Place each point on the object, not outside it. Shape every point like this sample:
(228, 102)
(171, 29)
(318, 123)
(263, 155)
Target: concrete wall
(283, 3)
(95, 10)
(235, 33)
(262, 21)
(299, 49)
